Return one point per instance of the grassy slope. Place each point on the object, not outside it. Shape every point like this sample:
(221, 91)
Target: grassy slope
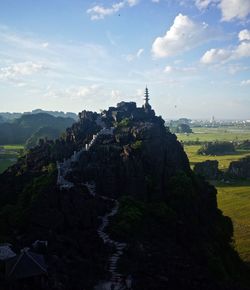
(9, 156)
(13, 147)
(233, 199)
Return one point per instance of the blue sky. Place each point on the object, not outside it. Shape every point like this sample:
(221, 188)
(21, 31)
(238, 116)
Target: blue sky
(71, 55)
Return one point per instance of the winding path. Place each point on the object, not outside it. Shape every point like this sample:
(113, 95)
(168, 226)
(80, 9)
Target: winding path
(117, 280)
(63, 168)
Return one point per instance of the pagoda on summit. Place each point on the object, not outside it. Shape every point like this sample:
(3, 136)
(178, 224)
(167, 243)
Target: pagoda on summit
(146, 105)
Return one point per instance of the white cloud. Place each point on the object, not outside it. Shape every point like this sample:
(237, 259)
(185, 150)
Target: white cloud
(139, 93)
(131, 57)
(132, 2)
(230, 9)
(215, 55)
(74, 93)
(238, 67)
(170, 69)
(140, 52)
(24, 41)
(234, 9)
(116, 95)
(203, 4)
(45, 44)
(244, 35)
(17, 70)
(99, 12)
(220, 55)
(183, 35)
(242, 50)
(245, 83)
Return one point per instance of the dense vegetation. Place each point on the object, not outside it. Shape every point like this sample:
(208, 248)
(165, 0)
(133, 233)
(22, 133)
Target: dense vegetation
(180, 126)
(217, 148)
(143, 224)
(43, 133)
(245, 145)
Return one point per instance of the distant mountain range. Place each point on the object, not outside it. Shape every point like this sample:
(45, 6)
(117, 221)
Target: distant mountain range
(29, 128)
(8, 117)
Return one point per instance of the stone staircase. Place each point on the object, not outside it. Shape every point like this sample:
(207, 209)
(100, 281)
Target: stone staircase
(116, 281)
(63, 168)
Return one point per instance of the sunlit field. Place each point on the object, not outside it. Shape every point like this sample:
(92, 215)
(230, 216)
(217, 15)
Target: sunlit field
(234, 198)
(224, 160)
(213, 134)
(9, 155)
(234, 201)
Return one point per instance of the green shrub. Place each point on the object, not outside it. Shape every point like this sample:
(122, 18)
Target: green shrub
(137, 145)
(136, 218)
(124, 123)
(216, 148)
(129, 217)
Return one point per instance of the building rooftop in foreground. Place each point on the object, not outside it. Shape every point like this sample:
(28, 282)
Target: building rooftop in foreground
(26, 264)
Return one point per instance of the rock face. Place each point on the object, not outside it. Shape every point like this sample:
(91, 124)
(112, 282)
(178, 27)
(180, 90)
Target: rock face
(240, 169)
(134, 159)
(208, 169)
(175, 236)
(217, 148)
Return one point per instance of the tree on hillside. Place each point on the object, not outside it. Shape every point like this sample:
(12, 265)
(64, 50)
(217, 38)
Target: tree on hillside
(217, 148)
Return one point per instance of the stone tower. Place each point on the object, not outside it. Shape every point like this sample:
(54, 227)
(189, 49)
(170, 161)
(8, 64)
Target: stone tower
(146, 105)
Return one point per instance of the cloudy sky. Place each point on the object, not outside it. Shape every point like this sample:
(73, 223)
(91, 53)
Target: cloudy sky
(71, 55)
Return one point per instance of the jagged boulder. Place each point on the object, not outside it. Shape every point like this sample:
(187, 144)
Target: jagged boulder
(240, 168)
(208, 169)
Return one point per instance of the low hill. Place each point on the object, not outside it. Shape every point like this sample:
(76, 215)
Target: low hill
(50, 133)
(21, 129)
(9, 117)
(55, 113)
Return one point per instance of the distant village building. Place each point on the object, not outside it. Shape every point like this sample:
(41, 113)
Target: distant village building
(212, 120)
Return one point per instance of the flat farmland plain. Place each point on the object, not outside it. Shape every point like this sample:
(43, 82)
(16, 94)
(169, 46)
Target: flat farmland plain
(233, 198)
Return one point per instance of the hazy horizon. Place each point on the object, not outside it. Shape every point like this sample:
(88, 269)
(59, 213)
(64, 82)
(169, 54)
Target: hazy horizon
(166, 118)
(69, 56)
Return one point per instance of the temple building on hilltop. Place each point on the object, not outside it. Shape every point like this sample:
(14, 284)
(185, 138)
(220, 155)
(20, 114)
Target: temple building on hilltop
(124, 110)
(130, 110)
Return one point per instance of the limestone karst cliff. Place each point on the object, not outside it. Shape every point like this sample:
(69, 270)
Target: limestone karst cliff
(175, 237)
